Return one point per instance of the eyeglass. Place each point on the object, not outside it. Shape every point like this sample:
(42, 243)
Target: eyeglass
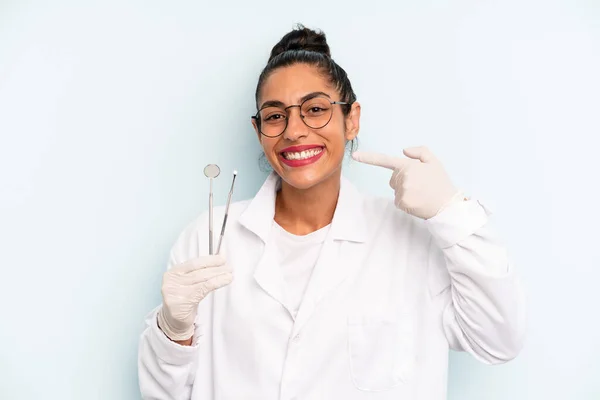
(315, 112)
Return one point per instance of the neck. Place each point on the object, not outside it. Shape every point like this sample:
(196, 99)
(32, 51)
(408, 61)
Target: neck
(301, 211)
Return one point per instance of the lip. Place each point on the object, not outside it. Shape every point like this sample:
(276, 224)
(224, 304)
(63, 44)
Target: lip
(301, 163)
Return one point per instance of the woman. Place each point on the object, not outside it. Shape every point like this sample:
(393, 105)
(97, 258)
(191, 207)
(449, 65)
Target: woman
(336, 295)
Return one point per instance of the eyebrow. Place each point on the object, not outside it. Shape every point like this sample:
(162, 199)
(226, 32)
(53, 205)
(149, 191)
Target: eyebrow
(277, 103)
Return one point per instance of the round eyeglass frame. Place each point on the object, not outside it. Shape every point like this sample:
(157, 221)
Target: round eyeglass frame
(256, 117)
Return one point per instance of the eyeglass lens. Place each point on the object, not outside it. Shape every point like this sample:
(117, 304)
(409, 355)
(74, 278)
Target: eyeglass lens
(315, 113)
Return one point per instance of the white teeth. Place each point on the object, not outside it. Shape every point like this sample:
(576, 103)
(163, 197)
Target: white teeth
(302, 155)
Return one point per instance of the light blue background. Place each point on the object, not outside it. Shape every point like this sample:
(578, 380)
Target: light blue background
(110, 110)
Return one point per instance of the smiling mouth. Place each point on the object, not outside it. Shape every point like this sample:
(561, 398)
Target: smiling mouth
(302, 155)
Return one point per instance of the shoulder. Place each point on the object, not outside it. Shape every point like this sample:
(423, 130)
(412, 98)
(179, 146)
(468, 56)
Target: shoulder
(382, 215)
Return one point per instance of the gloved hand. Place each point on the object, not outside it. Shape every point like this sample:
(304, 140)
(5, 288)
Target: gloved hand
(183, 287)
(422, 187)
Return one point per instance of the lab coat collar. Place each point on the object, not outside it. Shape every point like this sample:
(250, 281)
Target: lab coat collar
(348, 222)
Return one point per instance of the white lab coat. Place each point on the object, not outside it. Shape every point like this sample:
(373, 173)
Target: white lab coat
(390, 294)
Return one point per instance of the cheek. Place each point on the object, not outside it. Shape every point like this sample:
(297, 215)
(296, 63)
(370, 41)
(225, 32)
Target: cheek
(337, 140)
(268, 146)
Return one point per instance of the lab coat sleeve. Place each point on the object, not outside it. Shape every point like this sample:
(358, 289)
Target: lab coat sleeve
(484, 313)
(166, 370)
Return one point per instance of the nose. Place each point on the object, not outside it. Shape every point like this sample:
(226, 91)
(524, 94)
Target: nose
(296, 128)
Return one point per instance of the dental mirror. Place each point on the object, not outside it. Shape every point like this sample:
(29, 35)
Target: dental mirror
(211, 171)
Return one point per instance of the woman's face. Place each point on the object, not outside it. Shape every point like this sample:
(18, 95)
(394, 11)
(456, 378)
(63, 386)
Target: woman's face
(303, 156)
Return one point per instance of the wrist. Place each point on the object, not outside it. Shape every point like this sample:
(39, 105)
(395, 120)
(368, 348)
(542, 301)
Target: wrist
(187, 342)
(183, 337)
(458, 197)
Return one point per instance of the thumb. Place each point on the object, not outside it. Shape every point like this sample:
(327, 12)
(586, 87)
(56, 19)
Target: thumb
(420, 153)
(380, 160)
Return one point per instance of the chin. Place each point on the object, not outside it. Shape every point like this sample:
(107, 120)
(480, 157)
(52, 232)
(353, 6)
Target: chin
(300, 183)
(304, 179)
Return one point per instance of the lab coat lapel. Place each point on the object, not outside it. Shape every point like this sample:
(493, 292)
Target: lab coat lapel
(268, 274)
(340, 254)
(258, 218)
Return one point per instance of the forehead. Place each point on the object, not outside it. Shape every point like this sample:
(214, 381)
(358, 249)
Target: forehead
(289, 84)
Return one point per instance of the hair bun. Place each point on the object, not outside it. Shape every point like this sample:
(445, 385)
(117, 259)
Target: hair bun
(302, 38)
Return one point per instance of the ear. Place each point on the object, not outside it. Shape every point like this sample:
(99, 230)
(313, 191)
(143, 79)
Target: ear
(255, 126)
(353, 121)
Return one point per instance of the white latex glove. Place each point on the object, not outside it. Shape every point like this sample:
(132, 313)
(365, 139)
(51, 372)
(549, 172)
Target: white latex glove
(422, 187)
(183, 287)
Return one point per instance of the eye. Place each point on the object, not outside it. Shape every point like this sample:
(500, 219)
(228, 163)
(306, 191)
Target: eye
(275, 117)
(316, 107)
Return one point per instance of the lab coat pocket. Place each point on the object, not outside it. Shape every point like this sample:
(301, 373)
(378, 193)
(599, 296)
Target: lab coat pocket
(381, 351)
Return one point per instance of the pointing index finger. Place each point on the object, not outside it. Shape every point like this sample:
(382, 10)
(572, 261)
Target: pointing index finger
(380, 160)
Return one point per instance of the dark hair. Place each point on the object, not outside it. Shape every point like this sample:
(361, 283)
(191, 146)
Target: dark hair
(306, 46)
